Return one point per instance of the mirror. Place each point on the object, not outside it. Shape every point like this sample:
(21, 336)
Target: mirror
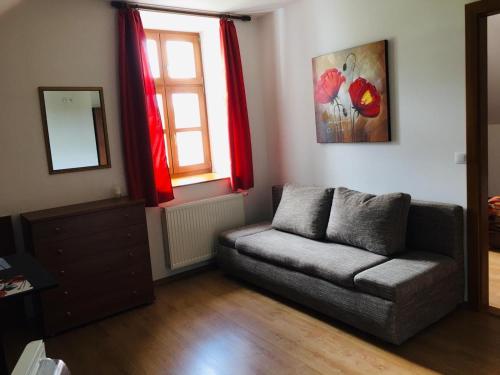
(74, 124)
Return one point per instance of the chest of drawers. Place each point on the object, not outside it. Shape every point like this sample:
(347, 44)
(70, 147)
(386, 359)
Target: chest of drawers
(99, 253)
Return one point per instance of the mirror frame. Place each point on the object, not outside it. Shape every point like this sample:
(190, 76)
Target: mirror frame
(41, 91)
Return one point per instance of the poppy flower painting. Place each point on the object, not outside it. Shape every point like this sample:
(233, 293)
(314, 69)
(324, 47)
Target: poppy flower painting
(328, 86)
(351, 95)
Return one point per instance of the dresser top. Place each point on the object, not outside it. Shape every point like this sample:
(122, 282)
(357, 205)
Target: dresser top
(80, 209)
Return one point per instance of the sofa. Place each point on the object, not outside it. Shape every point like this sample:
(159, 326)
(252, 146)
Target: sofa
(392, 297)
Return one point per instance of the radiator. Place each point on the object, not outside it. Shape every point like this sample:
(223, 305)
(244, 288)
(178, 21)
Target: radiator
(190, 230)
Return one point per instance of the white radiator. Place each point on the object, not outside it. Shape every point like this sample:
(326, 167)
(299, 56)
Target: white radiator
(191, 229)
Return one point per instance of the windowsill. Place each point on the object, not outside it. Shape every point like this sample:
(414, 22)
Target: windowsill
(197, 179)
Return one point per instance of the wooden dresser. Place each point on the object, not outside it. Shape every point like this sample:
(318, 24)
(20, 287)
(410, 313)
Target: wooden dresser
(99, 253)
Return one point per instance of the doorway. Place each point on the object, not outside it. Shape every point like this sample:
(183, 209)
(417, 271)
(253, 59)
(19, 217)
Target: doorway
(481, 218)
(493, 51)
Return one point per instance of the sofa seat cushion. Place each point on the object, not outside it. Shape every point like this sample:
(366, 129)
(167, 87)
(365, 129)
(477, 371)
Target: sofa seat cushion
(405, 275)
(229, 237)
(329, 261)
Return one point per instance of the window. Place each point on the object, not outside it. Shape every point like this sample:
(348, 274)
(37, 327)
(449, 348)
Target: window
(175, 61)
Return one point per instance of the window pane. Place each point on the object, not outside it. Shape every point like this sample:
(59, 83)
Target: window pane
(181, 63)
(166, 149)
(190, 148)
(159, 101)
(154, 63)
(186, 110)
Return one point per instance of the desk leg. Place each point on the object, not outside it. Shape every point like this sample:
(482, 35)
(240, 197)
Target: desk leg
(38, 316)
(3, 361)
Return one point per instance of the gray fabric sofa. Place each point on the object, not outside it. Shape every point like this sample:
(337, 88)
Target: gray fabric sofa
(391, 297)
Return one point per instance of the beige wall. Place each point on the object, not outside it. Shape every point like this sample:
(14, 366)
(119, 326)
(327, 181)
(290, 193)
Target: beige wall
(52, 43)
(493, 159)
(493, 105)
(493, 69)
(74, 43)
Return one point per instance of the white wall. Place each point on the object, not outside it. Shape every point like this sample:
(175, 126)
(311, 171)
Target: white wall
(74, 43)
(427, 83)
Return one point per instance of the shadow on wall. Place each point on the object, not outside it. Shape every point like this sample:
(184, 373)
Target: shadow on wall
(6, 5)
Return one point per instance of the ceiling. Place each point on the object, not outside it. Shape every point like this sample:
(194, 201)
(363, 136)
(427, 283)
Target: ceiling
(235, 6)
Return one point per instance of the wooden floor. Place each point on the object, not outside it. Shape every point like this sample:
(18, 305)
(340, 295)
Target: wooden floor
(209, 324)
(494, 278)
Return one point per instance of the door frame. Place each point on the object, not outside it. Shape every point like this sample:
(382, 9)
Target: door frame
(477, 154)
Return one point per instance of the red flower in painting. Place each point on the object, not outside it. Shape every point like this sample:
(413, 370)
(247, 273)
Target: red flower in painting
(365, 98)
(328, 86)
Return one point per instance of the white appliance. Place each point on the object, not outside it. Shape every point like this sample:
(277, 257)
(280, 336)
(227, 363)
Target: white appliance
(34, 361)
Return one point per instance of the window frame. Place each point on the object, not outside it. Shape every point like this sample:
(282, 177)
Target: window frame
(166, 86)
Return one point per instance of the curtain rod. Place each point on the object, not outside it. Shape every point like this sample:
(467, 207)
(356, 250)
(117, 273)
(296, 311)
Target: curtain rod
(122, 4)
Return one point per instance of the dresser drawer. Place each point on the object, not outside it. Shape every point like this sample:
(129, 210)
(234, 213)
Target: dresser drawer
(81, 225)
(70, 250)
(63, 316)
(107, 263)
(105, 283)
(72, 305)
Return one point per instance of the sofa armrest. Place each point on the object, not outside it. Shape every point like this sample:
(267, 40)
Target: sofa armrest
(402, 277)
(229, 237)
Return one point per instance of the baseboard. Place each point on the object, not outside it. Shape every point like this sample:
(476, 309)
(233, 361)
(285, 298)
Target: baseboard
(183, 273)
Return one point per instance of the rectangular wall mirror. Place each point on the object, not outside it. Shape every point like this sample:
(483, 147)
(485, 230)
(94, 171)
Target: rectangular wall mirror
(74, 125)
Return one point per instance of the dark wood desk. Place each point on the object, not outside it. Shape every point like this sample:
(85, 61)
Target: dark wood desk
(7, 245)
(40, 279)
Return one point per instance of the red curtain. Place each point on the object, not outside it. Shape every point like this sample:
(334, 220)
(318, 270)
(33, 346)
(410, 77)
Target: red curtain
(239, 131)
(148, 177)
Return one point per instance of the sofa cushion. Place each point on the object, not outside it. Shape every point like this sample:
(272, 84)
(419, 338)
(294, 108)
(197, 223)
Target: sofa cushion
(304, 211)
(406, 275)
(332, 262)
(229, 237)
(375, 223)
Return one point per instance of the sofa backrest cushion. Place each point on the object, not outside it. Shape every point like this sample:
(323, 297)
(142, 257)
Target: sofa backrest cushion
(304, 211)
(376, 223)
(435, 227)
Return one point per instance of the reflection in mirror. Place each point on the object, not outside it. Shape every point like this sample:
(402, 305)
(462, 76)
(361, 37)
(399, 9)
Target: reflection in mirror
(75, 128)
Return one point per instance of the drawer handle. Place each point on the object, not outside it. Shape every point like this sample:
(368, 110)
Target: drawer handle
(68, 314)
(66, 293)
(60, 251)
(57, 229)
(61, 272)
(126, 216)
